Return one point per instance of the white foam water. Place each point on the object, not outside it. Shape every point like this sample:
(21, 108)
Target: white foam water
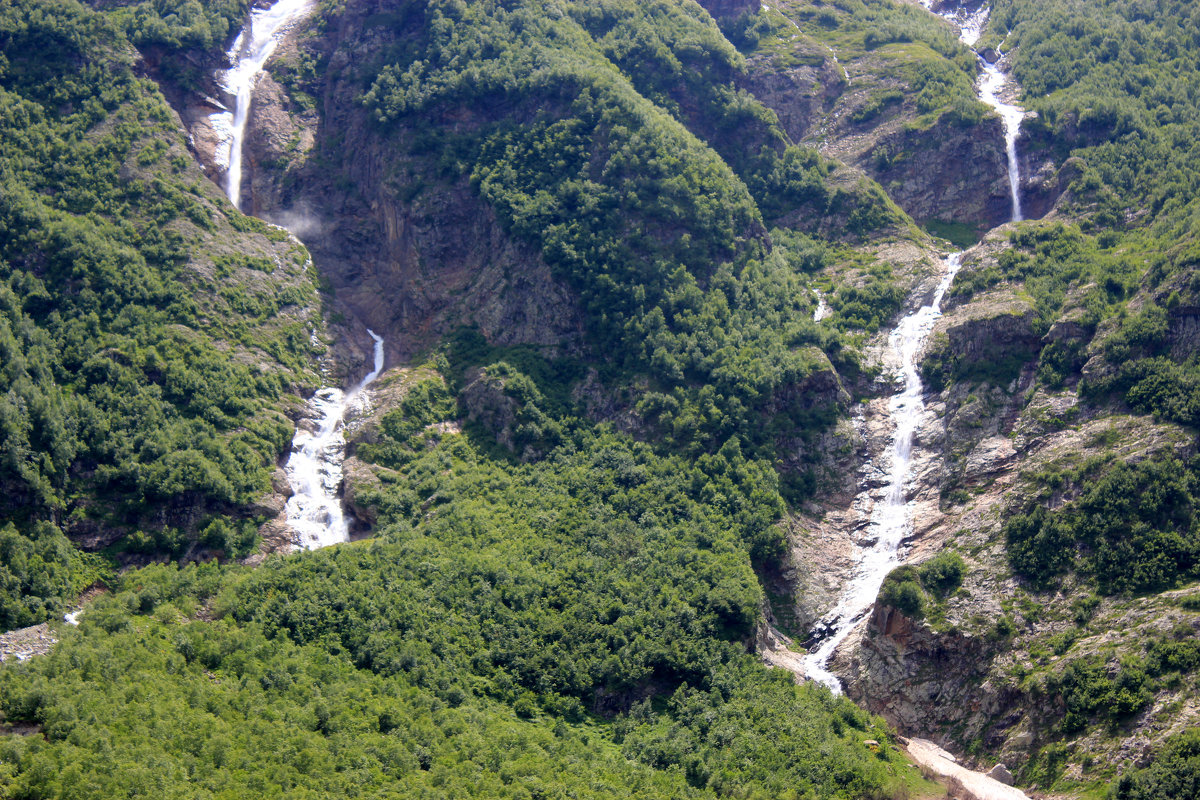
(890, 519)
(249, 54)
(314, 469)
(991, 86)
(822, 311)
(993, 83)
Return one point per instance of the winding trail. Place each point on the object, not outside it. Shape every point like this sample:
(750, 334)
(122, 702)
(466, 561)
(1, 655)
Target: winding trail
(962, 782)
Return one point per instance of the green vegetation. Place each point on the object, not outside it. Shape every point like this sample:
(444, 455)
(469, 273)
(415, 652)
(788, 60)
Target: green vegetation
(1174, 773)
(1131, 528)
(510, 622)
(904, 42)
(910, 589)
(185, 36)
(662, 233)
(120, 401)
(1109, 688)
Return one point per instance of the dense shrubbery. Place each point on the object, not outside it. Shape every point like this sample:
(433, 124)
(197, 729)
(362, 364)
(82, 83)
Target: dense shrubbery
(661, 233)
(40, 572)
(1174, 773)
(908, 588)
(109, 388)
(1132, 528)
(191, 33)
(1110, 688)
(472, 644)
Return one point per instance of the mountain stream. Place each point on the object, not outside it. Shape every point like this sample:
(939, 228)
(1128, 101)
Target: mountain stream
(253, 46)
(880, 551)
(314, 468)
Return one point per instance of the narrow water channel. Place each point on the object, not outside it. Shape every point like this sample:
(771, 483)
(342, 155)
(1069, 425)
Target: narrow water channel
(314, 468)
(891, 518)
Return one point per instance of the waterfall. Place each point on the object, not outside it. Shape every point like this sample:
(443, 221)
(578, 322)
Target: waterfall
(822, 311)
(889, 523)
(992, 85)
(249, 53)
(314, 469)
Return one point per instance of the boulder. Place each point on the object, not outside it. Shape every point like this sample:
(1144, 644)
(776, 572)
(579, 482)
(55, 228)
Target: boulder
(1001, 773)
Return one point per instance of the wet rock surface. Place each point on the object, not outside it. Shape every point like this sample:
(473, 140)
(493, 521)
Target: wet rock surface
(24, 643)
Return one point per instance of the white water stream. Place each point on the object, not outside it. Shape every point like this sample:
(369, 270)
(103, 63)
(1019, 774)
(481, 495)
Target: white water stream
(249, 53)
(314, 468)
(993, 84)
(822, 311)
(890, 519)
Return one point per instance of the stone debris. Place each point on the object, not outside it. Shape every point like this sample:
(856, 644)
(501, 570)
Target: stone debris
(23, 643)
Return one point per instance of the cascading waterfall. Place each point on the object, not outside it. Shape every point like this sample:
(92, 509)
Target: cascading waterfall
(249, 53)
(314, 469)
(890, 520)
(992, 85)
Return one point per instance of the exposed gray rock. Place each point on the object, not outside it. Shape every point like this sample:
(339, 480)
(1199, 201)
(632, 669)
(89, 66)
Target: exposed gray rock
(1001, 773)
(23, 643)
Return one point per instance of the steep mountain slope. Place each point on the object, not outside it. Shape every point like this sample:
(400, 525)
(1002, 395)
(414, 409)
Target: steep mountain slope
(152, 336)
(537, 576)
(1061, 448)
(635, 263)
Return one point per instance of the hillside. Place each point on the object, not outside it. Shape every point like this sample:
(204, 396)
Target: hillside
(154, 338)
(641, 268)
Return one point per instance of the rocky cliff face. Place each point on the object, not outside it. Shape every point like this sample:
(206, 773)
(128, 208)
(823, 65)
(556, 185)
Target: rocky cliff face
(984, 668)
(406, 253)
(936, 169)
(411, 255)
(947, 172)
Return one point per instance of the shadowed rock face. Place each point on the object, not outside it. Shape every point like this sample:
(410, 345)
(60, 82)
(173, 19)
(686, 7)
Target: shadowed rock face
(408, 253)
(730, 8)
(942, 171)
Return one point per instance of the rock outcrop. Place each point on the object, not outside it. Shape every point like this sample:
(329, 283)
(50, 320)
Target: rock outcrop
(938, 169)
(901, 668)
(24, 643)
(947, 172)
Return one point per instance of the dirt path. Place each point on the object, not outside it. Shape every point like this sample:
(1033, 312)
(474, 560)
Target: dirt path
(960, 781)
